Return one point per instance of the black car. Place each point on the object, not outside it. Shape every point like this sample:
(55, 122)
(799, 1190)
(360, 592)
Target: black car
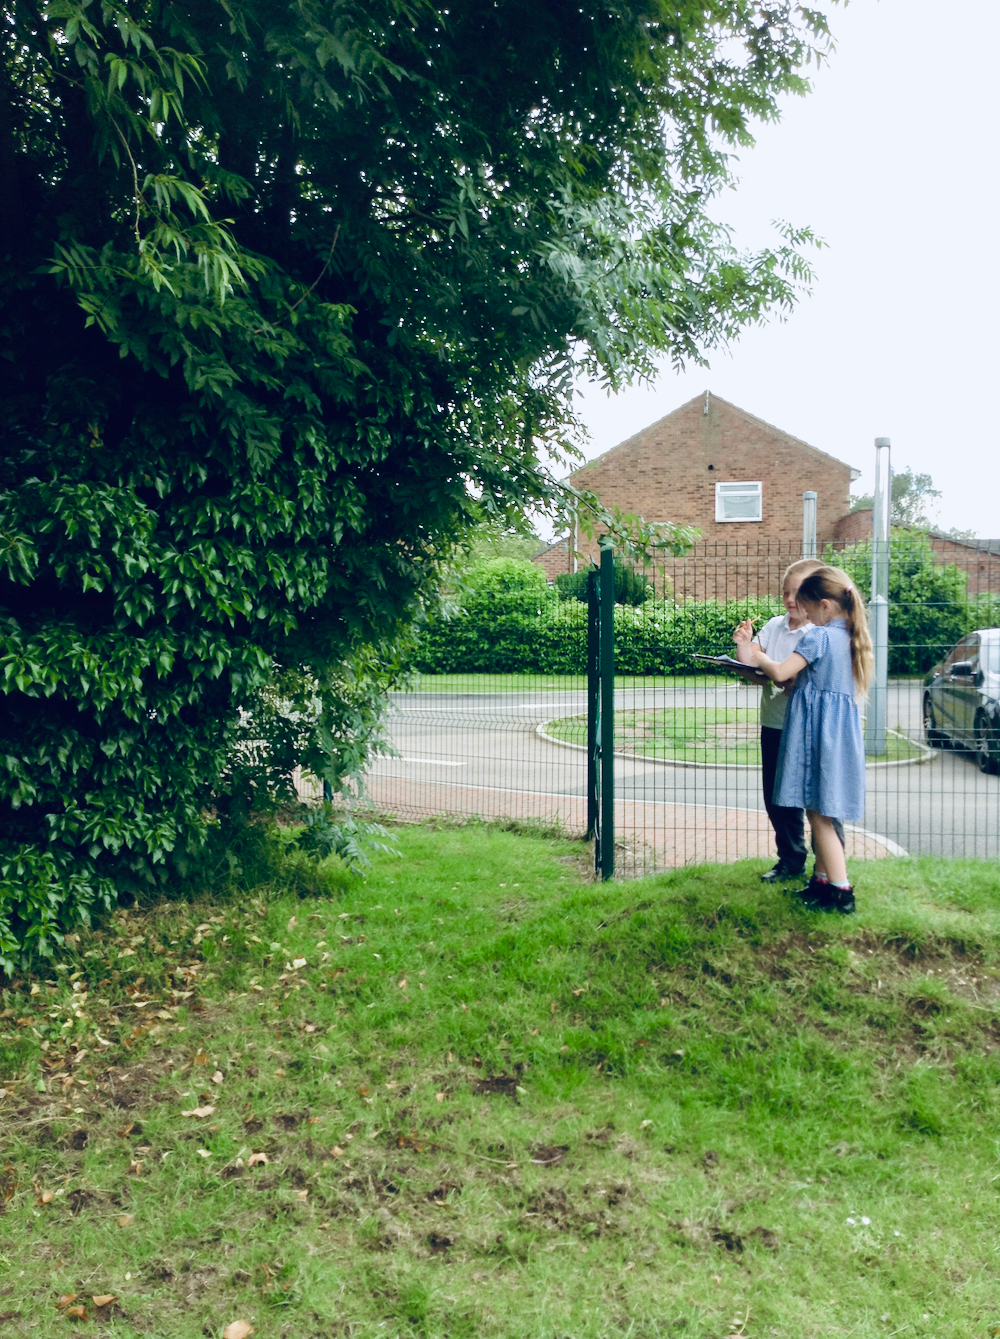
(962, 698)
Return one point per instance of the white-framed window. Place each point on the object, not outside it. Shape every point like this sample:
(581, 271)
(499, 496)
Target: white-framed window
(739, 502)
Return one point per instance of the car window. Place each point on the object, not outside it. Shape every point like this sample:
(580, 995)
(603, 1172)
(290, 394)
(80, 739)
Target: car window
(989, 659)
(967, 649)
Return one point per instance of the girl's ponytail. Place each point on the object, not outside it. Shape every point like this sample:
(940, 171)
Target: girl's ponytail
(833, 583)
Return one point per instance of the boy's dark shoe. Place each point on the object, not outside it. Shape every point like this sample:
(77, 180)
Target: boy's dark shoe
(781, 872)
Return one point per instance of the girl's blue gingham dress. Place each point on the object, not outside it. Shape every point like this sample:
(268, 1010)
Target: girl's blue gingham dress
(821, 763)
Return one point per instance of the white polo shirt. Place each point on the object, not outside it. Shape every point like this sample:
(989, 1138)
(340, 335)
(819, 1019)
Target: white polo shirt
(777, 640)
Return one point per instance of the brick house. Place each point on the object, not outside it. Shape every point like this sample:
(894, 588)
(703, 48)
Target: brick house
(738, 479)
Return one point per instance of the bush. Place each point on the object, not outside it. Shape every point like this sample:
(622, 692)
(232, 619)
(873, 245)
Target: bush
(929, 608)
(529, 633)
(632, 585)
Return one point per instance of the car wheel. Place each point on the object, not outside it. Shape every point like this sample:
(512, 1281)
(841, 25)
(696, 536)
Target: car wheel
(985, 745)
(932, 734)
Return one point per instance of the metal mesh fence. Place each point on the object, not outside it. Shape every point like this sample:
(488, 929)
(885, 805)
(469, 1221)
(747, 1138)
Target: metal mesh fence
(496, 723)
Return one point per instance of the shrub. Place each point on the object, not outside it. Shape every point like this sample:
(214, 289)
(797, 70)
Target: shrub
(541, 634)
(632, 585)
(929, 608)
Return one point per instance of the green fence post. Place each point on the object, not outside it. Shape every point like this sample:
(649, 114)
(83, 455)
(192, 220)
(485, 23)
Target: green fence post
(593, 710)
(607, 712)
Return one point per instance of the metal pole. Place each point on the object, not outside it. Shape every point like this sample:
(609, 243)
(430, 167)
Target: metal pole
(593, 710)
(878, 606)
(809, 525)
(607, 712)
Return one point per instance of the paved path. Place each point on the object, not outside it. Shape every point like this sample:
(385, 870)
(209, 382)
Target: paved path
(479, 753)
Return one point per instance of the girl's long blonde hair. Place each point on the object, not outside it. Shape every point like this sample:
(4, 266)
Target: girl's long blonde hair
(833, 583)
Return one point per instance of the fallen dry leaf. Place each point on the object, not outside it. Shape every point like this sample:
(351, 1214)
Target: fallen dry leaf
(280, 1073)
(439, 1096)
(45, 1197)
(203, 1153)
(65, 1300)
(200, 1058)
(200, 1112)
(302, 1194)
(292, 922)
(403, 983)
(76, 1312)
(217, 1076)
(126, 1220)
(103, 1299)
(363, 1090)
(238, 1329)
(298, 962)
(337, 1151)
(553, 1008)
(256, 1158)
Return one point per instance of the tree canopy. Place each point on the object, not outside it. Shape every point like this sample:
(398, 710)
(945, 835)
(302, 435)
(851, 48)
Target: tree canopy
(293, 296)
(911, 497)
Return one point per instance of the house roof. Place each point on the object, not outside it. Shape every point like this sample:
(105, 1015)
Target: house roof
(977, 544)
(752, 418)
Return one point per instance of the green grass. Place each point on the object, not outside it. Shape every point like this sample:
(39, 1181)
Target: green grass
(726, 735)
(535, 683)
(499, 1100)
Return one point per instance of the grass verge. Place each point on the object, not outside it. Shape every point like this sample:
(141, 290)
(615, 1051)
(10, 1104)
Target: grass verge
(479, 1095)
(721, 735)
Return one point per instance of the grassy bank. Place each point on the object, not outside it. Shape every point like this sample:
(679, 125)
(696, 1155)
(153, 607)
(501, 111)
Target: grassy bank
(479, 1095)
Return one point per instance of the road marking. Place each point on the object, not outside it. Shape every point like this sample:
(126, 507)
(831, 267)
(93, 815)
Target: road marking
(438, 762)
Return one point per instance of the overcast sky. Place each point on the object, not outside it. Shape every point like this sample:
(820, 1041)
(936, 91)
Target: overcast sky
(892, 160)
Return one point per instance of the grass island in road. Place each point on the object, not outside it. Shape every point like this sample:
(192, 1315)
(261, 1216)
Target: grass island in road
(478, 1095)
(719, 735)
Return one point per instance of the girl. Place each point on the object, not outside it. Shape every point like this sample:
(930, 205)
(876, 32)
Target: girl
(821, 765)
(778, 638)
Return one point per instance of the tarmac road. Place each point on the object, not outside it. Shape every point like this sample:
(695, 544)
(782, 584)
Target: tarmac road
(462, 746)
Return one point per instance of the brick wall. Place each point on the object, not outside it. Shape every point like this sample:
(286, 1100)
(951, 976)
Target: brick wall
(555, 560)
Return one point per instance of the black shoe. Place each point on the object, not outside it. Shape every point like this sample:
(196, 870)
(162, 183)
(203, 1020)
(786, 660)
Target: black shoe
(780, 873)
(841, 899)
(815, 895)
(826, 897)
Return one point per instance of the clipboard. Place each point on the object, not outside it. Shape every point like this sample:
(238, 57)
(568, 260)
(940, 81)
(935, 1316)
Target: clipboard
(748, 673)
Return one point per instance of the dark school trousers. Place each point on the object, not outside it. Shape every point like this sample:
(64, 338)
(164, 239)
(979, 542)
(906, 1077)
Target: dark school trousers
(788, 824)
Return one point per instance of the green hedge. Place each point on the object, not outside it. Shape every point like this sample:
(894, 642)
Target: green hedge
(540, 634)
(510, 622)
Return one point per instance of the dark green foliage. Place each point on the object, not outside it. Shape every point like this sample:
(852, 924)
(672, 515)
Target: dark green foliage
(521, 632)
(573, 585)
(632, 584)
(292, 296)
(929, 608)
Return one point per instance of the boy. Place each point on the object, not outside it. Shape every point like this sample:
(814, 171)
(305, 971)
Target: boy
(778, 638)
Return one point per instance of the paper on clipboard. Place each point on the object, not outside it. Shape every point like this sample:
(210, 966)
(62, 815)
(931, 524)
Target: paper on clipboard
(749, 673)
